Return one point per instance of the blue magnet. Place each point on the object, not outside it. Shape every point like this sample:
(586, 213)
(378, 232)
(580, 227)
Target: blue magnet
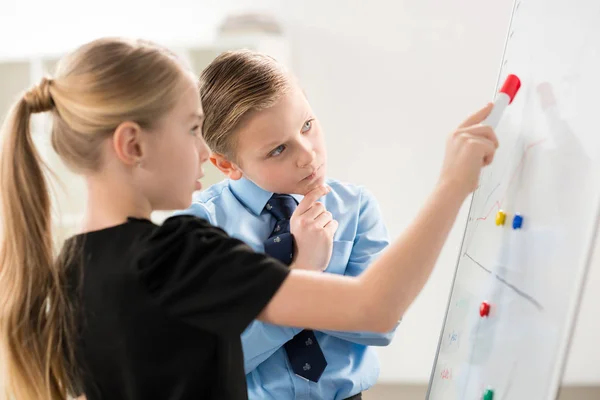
(517, 221)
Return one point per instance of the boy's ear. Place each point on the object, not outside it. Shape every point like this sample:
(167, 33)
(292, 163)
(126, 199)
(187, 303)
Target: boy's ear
(226, 166)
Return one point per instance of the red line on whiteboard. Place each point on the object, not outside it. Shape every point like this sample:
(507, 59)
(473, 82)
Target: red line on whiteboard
(498, 204)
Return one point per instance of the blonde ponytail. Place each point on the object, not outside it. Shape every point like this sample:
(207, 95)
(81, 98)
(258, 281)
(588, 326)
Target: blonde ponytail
(35, 320)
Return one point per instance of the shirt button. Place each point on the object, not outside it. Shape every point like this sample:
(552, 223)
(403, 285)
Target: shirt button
(269, 207)
(277, 239)
(308, 342)
(277, 228)
(306, 367)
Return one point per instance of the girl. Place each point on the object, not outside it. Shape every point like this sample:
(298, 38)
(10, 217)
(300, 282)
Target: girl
(131, 310)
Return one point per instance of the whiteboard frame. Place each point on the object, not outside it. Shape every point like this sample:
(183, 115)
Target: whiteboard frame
(582, 270)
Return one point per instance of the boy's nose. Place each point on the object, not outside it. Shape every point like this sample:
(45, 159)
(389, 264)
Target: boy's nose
(307, 158)
(307, 154)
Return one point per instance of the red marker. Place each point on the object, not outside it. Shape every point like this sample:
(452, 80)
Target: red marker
(504, 97)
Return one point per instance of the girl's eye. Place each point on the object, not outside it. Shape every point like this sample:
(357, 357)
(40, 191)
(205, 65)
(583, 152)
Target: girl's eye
(307, 125)
(277, 151)
(195, 130)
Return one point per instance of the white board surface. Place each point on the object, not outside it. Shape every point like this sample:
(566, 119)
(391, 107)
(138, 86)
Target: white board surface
(546, 170)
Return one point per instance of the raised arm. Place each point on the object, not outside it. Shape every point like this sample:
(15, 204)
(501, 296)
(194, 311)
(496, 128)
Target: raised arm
(378, 298)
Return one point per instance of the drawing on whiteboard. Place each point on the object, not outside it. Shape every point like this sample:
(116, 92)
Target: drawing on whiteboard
(498, 203)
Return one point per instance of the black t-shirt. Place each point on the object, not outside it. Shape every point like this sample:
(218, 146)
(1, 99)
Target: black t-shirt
(160, 309)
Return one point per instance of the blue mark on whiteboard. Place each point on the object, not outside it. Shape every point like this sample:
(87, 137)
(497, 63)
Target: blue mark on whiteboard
(453, 337)
(453, 340)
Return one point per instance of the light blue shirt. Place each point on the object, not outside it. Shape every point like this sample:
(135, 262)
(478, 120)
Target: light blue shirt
(352, 366)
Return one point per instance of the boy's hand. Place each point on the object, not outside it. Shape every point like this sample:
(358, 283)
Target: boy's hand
(313, 228)
(468, 150)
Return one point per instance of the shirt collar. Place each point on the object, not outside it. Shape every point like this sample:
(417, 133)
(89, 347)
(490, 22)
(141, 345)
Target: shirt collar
(252, 196)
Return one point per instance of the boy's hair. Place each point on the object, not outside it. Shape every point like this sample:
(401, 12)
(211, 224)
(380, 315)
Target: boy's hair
(234, 85)
(97, 87)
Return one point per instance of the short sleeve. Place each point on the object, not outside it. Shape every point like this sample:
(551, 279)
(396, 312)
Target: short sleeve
(206, 278)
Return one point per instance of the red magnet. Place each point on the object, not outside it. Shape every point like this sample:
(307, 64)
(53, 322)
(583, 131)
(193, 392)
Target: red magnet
(484, 309)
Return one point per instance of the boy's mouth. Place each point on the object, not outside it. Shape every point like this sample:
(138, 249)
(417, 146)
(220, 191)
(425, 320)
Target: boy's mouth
(313, 174)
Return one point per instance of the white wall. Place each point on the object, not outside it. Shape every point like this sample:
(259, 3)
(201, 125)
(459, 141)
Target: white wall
(389, 80)
(31, 27)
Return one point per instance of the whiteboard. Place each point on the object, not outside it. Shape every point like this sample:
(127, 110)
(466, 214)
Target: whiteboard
(547, 171)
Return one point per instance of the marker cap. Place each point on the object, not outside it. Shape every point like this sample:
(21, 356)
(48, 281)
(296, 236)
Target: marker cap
(511, 86)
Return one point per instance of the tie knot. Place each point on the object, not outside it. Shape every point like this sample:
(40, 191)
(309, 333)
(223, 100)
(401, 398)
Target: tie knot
(282, 206)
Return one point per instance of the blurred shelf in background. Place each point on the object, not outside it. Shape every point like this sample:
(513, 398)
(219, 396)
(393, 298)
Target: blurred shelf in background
(17, 74)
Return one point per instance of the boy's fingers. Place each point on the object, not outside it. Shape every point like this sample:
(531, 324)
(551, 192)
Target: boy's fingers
(311, 197)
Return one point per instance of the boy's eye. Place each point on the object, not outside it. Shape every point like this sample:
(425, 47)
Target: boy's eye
(277, 151)
(195, 130)
(307, 125)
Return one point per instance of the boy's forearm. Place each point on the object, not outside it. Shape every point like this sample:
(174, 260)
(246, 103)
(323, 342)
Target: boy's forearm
(260, 340)
(365, 338)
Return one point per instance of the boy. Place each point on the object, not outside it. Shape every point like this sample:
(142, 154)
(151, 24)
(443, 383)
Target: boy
(267, 141)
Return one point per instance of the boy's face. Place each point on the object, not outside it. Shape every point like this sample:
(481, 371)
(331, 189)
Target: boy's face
(282, 148)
